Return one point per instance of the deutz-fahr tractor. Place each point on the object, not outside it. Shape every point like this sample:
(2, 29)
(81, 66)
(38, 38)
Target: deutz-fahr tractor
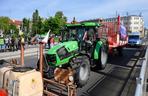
(80, 49)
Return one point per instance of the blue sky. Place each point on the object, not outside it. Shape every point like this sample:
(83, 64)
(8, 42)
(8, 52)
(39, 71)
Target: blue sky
(81, 9)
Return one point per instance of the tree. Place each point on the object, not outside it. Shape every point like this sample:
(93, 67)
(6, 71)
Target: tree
(26, 28)
(13, 30)
(60, 21)
(4, 24)
(37, 24)
(55, 23)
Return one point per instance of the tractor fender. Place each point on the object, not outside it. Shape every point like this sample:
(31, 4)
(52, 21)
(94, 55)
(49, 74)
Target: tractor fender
(80, 54)
(97, 49)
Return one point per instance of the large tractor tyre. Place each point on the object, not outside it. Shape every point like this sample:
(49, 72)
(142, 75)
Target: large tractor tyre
(48, 72)
(103, 56)
(82, 70)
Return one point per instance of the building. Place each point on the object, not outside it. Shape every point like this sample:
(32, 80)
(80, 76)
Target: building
(146, 32)
(17, 23)
(133, 23)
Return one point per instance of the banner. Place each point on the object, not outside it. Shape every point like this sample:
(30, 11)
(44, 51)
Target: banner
(123, 33)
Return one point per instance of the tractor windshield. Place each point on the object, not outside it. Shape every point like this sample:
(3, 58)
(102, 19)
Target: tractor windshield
(73, 33)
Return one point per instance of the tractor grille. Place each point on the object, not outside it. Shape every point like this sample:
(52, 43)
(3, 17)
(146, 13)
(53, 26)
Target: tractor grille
(51, 58)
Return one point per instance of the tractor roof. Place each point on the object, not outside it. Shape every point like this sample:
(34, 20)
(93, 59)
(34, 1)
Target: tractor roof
(88, 24)
(84, 24)
(73, 25)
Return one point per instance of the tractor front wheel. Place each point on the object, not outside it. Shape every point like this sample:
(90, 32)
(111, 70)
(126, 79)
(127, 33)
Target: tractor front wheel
(48, 72)
(82, 70)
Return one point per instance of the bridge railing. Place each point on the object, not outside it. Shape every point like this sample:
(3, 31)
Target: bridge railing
(141, 80)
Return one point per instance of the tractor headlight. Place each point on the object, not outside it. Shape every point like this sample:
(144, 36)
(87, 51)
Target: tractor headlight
(51, 58)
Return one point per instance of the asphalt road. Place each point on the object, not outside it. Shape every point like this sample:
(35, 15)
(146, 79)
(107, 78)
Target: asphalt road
(112, 80)
(117, 79)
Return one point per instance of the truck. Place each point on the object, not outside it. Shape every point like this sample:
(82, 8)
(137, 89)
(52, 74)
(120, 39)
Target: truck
(134, 39)
(84, 46)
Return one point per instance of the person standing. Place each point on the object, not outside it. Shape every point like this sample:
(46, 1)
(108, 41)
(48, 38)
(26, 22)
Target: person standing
(19, 43)
(6, 43)
(49, 43)
(12, 44)
(52, 41)
(9, 43)
(16, 44)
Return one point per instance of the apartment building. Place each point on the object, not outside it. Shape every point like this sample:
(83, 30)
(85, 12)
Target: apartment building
(133, 23)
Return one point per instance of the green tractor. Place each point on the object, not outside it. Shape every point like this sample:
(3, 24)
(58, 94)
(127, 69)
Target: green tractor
(80, 49)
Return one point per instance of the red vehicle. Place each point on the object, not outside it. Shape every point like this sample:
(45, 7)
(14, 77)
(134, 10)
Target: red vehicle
(116, 35)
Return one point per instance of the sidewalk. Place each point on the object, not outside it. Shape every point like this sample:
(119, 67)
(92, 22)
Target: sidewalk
(29, 51)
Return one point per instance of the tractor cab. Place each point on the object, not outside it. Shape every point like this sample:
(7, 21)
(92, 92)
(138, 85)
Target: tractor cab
(85, 34)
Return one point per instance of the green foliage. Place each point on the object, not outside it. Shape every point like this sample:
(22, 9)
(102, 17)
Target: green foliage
(41, 26)
(26, 28)
(37, 24)
(4, 24)
(8, 28)
(55, 23)
(13, 31)
(60, 21)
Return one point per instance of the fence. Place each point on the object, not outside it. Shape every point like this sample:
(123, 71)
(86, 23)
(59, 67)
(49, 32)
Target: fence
(141, 80)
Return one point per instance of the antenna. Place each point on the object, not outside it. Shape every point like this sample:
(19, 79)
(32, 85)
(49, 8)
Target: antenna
(140, 14)
(116, 13)
(127, 14)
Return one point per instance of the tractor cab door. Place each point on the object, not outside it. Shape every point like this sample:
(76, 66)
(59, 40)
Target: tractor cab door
(89, 39)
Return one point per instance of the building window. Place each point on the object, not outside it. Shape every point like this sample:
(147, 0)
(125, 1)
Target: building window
(136, 22)
(136, 18)
(135, 27)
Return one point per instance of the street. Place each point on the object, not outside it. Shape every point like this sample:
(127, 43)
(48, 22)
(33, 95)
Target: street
(117, 79)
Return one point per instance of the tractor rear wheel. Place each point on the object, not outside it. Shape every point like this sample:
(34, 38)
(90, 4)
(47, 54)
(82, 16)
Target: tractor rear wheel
(103, 56)
(82, 70)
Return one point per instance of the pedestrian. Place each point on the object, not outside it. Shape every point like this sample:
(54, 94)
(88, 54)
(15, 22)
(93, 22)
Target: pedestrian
(19, 43)
(6, 43)
(16, 44)
(1, 44)
(12, 44)
(9, 43)
(52, 41)
(49, 43)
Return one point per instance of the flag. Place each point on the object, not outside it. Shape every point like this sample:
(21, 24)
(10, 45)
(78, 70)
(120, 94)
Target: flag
(123, 33)
(85, 35)
(45, 40)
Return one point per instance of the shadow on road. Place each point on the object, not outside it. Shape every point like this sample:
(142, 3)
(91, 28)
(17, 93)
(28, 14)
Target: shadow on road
(112, 81)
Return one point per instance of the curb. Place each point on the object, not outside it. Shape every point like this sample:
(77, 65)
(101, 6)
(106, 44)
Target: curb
(17, 56)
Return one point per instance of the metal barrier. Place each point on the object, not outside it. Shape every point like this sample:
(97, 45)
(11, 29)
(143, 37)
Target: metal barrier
(140, 88)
